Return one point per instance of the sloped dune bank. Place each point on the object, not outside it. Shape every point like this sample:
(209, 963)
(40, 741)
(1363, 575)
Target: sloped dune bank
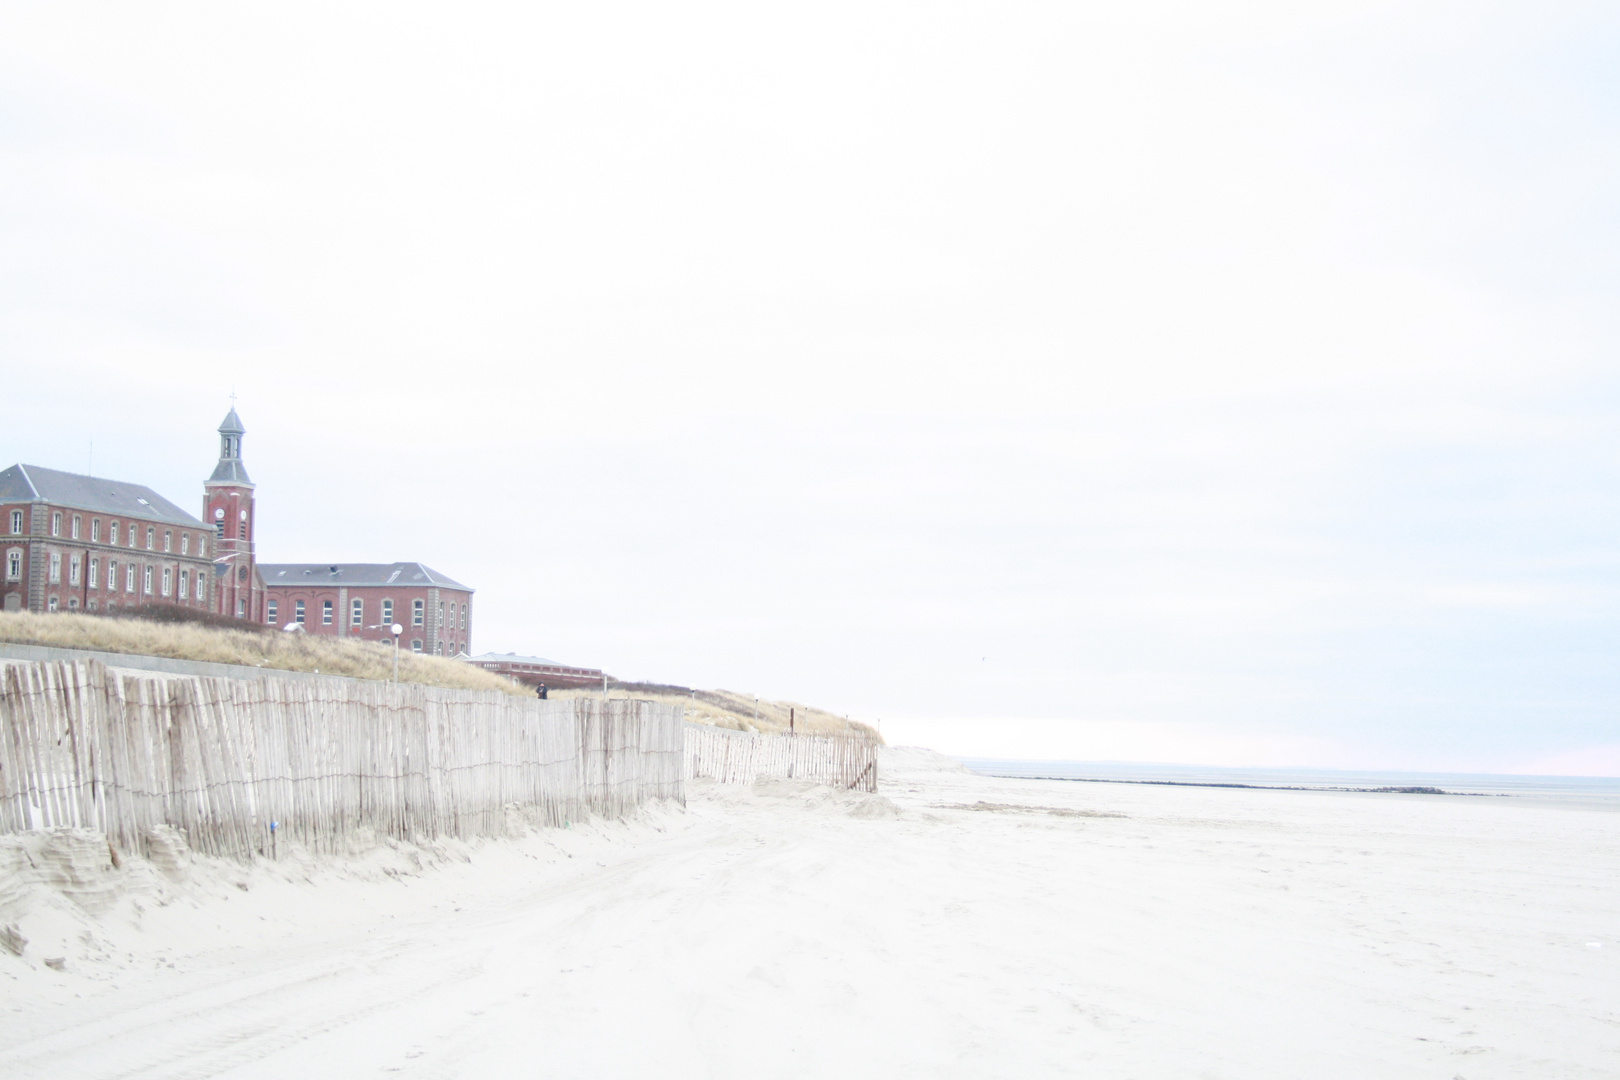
(949, 926)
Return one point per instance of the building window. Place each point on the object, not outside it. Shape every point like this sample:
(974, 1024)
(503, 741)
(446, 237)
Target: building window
(388, 614)
(91, 606)
(151, 537)
(95, 530)
(168, 581)
(14, 565)
(134, 535)
(51, 605)
(185, 543)
(416, 645)
(185, 584)
(16, 523)
(168, 539)
(73, 569)
(439, 648)
(129, 577)
(56, 568)
(146, 580)
(73, 603)
(75, 528)
(357, 612)
(270, 612)
(241, 608)
(95, 573)
(241, 530)
(418, 612)
(298, 612)
(56, 525)
(326, 613)
(112, 534)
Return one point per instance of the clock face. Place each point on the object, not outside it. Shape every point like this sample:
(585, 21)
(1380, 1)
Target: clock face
(219, 513)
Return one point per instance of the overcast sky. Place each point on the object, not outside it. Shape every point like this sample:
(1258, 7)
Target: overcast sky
(1212, 383)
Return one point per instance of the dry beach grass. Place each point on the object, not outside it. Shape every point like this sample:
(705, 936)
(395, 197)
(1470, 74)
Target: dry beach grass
(740, 712)
(250, 648)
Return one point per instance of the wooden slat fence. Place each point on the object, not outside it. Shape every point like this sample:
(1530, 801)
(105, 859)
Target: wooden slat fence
(85, 745)
(740, 757)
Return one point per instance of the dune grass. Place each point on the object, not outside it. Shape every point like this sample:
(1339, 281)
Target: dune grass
(261, 647)
(727, 709)
(248, 647)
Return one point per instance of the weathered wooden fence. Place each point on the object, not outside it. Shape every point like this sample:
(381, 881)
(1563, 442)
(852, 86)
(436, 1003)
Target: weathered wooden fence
(221, 759)
(740, 757)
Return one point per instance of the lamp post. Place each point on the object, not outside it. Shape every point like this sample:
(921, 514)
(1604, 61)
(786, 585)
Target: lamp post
(396, 630)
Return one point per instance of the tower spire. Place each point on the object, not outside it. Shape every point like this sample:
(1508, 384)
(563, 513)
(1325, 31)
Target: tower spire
(230, 469)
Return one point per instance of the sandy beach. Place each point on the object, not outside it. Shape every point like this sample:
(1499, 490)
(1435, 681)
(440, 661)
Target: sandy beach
(951, 926)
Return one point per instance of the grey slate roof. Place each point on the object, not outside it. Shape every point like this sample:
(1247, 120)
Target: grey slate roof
(399, 573)
(230, 471)
(514, 658)
(27, 483)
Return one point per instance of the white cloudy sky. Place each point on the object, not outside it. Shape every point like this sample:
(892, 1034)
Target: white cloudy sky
(1157, 381)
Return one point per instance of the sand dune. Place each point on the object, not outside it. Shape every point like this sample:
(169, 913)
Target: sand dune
(952, 926)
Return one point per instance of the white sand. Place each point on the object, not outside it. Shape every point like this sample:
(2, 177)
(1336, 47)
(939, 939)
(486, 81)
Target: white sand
(792, 932)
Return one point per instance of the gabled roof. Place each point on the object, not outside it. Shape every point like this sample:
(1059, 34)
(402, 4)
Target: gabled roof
(399, 573)
(30, 483)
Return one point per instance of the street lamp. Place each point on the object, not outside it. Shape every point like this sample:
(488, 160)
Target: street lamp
(396, 630)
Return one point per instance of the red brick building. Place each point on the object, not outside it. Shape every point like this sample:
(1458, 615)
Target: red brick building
(228, 507)
(82, 543)
(534, 670)
(363, 599)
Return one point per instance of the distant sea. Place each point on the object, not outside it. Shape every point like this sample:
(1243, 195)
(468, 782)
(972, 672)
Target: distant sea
(1594, 792)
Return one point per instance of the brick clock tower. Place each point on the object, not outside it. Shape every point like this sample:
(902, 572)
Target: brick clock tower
(228, 508)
